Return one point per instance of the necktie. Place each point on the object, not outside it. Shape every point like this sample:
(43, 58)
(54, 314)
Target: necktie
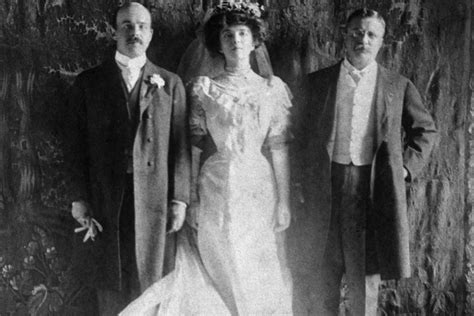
(356, 76)
(130, 76)
(130, 68)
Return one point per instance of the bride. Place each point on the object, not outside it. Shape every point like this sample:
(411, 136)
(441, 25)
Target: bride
(232, 262)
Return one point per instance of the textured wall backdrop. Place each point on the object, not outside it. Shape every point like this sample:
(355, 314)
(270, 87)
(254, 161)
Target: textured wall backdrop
(45, 43)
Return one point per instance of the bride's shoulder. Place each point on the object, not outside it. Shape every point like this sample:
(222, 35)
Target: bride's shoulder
(278, 93)
(200, 81)
(275, 82)
(278, 87)
(206, 88)
(200, 85)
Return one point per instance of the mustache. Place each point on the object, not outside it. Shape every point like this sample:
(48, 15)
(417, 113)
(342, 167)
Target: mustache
(133, 40)
(361, 47)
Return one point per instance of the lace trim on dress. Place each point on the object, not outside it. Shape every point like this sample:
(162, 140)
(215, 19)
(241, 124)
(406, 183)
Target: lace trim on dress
(206, 93)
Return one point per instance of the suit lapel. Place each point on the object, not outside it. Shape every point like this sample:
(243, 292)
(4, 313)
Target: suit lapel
(383, 99)
(327, 120)
(147, 90)
(114, 91)
(114, 80)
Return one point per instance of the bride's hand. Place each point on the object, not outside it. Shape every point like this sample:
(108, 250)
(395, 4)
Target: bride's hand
(177, 216)
(282, 217)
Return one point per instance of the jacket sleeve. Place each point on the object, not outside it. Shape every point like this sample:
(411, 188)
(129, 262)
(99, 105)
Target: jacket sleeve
(76, 152)
(180, 151)
(420, 131)
(300, 112)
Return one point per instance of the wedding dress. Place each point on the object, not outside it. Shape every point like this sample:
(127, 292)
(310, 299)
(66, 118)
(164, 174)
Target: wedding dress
(234, 264)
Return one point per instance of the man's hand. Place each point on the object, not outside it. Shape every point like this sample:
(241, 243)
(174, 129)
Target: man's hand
(80, 212)
(282, 217)
(177, 216)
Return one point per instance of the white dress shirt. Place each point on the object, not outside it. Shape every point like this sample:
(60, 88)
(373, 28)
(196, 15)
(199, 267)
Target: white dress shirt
(130, 68)
(352, 139)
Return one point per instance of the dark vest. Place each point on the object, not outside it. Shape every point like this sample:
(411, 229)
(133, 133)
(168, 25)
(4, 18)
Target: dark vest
(133, 109)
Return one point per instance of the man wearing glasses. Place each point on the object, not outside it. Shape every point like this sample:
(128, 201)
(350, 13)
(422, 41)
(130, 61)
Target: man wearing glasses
(357, 162)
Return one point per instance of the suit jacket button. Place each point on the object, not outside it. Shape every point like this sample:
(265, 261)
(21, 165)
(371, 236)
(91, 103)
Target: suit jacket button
(147, 116)
(150, 163)
(149, 139)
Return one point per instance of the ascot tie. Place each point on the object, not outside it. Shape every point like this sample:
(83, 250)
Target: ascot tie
(356, 76)
(130, 75)
(130, 68)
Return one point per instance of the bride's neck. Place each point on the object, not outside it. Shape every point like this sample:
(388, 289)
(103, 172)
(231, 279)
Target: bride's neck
(237, 66)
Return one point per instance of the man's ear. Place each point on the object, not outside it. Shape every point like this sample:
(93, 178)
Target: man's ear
(114, 33)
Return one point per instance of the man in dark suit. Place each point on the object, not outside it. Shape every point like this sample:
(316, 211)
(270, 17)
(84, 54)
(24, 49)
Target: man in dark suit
(356, 163)
(130, 147)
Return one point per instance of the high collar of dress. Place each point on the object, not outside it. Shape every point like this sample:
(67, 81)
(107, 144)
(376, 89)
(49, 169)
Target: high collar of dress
(244, 72)
(131, 63)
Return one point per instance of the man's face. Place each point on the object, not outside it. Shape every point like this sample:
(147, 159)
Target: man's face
(363, 40)
(134, 32)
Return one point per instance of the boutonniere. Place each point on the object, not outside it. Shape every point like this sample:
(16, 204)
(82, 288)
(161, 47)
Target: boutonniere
(156, 80)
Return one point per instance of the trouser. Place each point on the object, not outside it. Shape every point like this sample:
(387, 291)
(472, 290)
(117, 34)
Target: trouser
(111, 302)
(350, 243)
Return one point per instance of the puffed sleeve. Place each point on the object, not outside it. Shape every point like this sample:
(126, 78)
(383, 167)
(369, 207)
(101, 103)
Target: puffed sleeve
(197, 116)
(279, 130)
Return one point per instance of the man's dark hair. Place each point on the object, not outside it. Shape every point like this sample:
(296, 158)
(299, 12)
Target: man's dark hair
(217, 22)
(365, 13)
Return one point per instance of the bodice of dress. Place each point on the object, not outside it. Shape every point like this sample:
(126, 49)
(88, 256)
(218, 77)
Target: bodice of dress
(241, 111)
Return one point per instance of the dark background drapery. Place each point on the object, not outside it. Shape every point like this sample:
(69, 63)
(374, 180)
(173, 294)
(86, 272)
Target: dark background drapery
(45, 43)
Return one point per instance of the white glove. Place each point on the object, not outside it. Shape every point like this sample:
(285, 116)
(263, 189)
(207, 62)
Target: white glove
(80, 212)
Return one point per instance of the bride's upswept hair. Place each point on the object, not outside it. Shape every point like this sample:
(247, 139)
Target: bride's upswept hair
(217, 22)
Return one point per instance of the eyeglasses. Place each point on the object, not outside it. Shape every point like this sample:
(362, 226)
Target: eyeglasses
(359, 33)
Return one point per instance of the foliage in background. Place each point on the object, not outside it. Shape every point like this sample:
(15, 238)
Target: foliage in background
(52, 40)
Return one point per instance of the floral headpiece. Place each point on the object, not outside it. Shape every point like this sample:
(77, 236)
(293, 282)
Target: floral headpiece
(247, 8)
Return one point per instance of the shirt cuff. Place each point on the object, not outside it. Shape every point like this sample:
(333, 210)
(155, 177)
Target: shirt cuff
(180, 203)
(408, 175)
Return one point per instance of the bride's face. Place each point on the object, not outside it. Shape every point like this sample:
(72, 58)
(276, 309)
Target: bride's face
(236, 42)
